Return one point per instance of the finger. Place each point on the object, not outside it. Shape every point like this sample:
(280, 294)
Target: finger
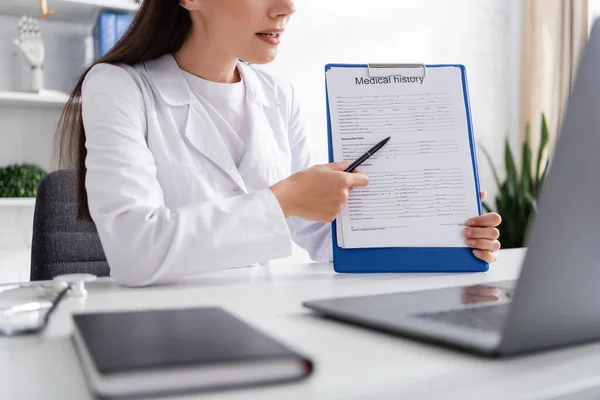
(483, 195)
(357, 180)
(338, 165)
(470, 299)
(486, 256)
(481, 233)
(481, 290)
(489, 219)
(483, 244)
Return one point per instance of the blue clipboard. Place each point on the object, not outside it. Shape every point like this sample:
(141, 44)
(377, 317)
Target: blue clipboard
(407, 259)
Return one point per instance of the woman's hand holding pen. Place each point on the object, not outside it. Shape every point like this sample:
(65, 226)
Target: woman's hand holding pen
(318, 193)
(482, 235)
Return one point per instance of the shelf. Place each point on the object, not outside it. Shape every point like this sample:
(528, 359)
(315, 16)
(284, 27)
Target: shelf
(83, 11)
(17, 202)
(24, 99)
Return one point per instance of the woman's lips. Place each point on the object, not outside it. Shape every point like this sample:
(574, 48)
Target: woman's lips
(273, 38)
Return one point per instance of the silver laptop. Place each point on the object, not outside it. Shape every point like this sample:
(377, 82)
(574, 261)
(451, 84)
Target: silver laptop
(556, 300)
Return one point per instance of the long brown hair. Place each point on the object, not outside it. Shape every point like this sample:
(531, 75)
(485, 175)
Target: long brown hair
(159, 27)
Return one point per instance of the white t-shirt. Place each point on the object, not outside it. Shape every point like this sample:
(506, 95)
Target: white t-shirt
(227, 110)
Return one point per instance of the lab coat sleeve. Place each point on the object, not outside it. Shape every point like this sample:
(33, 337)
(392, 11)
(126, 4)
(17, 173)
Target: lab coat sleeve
(314, 237)
(144, 241)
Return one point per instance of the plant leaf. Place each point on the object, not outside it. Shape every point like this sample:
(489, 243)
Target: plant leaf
(508, 208)
(516, 200)
(526, 176)
(489, 158)
(508, 232)
(526, 179)
(511, 171)
(531, 202)
(542, 147)
(532, 212)
(543, 177)
(503, 200)
(486, 207)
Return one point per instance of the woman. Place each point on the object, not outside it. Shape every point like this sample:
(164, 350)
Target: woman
(190, 160)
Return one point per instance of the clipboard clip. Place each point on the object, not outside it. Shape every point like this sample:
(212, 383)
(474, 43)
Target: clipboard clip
(371, 67)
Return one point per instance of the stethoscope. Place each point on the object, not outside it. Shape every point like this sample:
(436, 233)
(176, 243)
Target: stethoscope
(32, 317)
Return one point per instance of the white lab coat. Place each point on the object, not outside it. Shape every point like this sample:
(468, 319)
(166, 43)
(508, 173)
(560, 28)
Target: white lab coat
(165, 194)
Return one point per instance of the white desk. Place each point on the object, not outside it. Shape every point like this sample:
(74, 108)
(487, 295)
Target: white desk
(351, 363)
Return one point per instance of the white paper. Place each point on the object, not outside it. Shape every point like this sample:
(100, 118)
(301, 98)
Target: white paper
(422, 183)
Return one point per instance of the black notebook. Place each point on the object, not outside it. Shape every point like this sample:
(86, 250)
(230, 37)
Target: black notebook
(141, 353)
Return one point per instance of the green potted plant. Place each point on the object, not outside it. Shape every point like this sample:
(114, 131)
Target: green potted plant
(20, 180)
(517, 196)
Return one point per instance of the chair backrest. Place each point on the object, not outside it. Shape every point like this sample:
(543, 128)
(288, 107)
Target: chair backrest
(62, 244)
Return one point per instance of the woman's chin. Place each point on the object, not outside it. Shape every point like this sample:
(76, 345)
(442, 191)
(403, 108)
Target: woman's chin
(263, 57)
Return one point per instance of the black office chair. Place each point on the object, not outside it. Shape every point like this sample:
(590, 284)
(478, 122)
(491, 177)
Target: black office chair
(61, 244)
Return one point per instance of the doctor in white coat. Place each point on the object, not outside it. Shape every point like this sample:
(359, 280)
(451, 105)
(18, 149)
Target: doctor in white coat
(191, 160)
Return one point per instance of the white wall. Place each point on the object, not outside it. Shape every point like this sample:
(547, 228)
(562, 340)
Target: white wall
(484, 35)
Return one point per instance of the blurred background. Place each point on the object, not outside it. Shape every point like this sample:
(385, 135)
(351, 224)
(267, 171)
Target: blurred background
(520, 57)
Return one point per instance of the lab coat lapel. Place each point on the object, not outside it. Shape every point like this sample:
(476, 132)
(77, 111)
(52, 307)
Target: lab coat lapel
(260, 131)
(200, 130)
(205, 137)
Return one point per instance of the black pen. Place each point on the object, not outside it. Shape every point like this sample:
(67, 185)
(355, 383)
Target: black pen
(368, 154)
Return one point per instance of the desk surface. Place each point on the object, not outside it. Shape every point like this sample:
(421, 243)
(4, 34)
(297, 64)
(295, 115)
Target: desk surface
(351, 362)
